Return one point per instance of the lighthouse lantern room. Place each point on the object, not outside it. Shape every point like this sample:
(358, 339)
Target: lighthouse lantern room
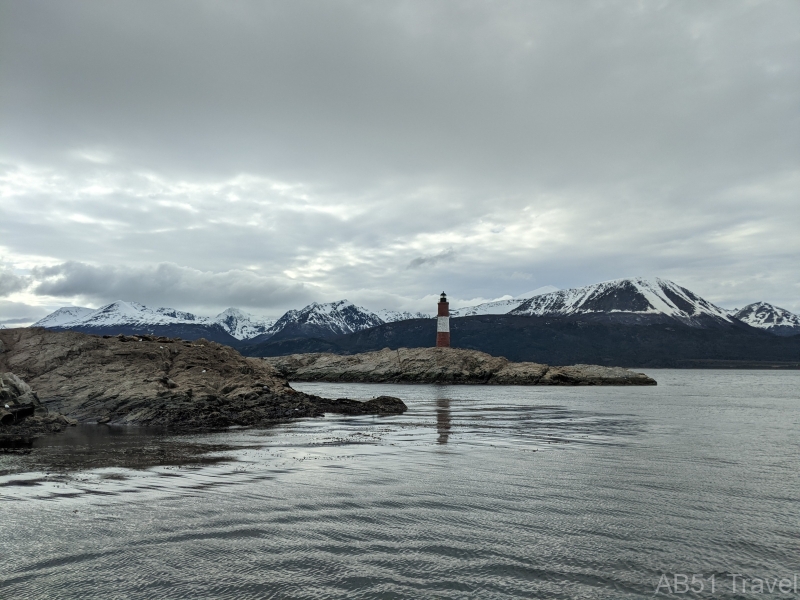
(443, 323)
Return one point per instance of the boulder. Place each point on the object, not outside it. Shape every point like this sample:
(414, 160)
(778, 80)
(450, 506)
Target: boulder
(22, 415)
(16, 392)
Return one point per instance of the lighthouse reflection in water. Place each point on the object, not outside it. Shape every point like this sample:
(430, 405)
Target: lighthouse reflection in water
(443, 418)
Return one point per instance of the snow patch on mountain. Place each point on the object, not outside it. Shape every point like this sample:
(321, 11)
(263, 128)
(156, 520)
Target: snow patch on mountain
(638, 295)
(63, 316)
(240, 324)
(497, 307)
(545, 289)
(392, 316)
(501, 306)
(769, 317)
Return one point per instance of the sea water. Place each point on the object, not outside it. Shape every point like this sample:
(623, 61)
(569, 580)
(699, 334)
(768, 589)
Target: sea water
(687, 489)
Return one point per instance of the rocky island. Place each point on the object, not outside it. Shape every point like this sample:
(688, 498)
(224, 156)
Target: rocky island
(444, 365)
(65, 377)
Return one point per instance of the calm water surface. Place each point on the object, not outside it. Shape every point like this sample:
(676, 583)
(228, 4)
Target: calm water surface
(484, 492)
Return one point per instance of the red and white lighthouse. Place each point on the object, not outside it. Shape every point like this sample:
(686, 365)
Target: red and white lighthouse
(443, 323)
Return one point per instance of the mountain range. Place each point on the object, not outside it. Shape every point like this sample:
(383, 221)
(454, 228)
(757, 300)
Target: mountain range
(132, 317)
(634, 322)
(624, 307)
(322, 320)
(314, 320)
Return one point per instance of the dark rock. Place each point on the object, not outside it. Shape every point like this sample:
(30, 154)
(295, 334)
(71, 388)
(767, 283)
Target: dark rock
(168, 382)
(22, 415)
(385, 405)
(382, 405)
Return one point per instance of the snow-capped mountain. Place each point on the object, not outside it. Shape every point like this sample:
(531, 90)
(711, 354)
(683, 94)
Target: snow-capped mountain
(392, 316)
(771, 318)
(240, 324)
(622, 297)
(500, 307)
(116, 313)
(63, 316)
(132, 315)
(317, 320)
(323, 320)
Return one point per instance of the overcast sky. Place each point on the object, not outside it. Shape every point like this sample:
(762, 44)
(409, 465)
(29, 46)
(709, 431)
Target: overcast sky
(265, 155)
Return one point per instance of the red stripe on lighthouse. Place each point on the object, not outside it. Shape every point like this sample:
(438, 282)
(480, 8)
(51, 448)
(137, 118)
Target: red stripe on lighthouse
(443, 323)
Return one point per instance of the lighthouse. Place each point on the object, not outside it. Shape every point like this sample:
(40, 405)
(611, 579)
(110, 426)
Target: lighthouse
(443, 323)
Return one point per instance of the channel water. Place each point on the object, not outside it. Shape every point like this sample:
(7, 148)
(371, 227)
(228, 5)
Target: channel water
(475, 492)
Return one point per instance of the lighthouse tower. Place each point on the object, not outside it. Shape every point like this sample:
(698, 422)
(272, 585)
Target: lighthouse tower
(443, 323)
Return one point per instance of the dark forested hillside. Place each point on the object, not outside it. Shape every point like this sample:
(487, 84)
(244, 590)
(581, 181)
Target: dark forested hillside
(569, 340)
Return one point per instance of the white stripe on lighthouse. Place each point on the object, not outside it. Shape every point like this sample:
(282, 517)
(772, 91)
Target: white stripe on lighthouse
(443, 325)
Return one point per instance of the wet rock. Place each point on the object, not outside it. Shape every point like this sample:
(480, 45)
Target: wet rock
(145, 380)
(22, 415)
(382, 405)
(444, 365)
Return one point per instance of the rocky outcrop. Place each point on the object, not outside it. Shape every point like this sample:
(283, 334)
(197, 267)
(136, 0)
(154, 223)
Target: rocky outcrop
(160, 381)
(444, 365)
(17, 399)
(22, 414)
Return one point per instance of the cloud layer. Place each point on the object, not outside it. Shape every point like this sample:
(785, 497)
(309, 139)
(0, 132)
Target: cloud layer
(207, 154)
(165, 284)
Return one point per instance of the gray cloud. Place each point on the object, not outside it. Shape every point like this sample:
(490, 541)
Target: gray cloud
(166, 284)
(272, 153)
(20, 321)
(352, 93)
(10, 283)
(431, 260)
(14, 314)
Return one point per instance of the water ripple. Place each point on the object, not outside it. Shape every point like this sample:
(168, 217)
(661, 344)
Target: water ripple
(484, 492)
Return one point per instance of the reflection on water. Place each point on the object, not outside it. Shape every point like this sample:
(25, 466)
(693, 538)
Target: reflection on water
(100, 446)
(545, 493)
(434, 416)
(443, 419)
